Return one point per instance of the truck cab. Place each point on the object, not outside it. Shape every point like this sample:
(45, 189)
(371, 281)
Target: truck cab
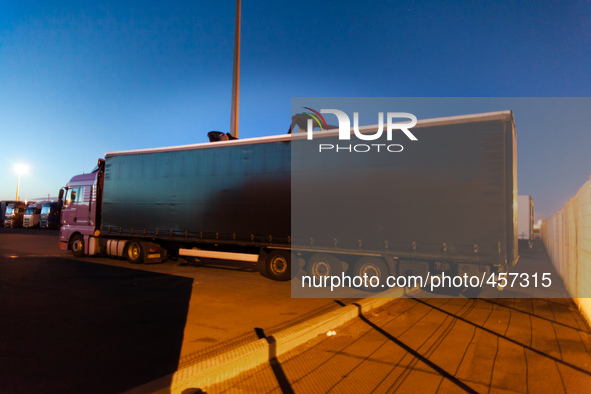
(80, 211)
(32, 215)
(3, 206)
(13, 216)
(50, 215)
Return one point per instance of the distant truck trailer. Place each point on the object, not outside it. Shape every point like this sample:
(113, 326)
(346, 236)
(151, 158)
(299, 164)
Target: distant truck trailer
(525, 219)
(450, 206)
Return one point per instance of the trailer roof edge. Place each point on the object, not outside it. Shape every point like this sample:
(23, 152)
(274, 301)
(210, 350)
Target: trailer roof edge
(482, 117)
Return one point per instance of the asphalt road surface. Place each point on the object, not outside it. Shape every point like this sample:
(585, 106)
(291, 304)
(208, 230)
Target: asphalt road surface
(102, 325)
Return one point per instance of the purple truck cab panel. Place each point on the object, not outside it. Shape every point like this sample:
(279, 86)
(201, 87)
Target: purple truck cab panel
(79, 209)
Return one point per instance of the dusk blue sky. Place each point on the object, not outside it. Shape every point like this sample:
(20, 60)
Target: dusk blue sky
(81, 78)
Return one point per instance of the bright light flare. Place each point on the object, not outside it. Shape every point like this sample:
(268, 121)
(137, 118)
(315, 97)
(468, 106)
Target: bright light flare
(21, 168)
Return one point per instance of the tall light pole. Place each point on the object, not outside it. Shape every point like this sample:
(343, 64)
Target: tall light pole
(236, 74)
(19, 168)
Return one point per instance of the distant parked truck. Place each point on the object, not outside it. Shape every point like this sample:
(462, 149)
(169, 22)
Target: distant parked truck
(50, 215)
(13, 216)
(449, 205)
(525, 219)
(3, 206)
(32, 215)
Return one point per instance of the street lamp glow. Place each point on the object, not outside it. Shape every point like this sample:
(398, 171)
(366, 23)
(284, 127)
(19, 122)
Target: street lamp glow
(20, 169)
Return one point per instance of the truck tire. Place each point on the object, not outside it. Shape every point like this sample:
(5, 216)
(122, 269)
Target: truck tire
(279, 265)
(77, 245)
(134, 253)
(370, 267)
(472, 292)
(323, 264)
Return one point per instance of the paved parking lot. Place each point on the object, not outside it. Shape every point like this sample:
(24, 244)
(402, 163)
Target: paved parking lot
(102, 325)
(507, 342)
(66, 319)
(439, 345)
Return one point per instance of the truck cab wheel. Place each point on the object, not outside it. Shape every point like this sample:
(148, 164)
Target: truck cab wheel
(279, 265)
(134, 253)
(77, 245)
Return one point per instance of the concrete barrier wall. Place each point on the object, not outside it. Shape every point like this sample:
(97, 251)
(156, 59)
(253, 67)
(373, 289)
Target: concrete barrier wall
(567, 237)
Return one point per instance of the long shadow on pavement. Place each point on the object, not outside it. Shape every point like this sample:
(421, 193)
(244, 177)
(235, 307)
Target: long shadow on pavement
(73, 326)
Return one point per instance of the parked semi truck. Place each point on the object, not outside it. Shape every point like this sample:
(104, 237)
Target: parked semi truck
(525, 226)
(3, 206)
(447, 203)
(50, 215)
(32, 215)
(13, 216)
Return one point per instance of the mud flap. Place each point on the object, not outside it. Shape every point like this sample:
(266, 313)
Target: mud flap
(261, 265)
(152, 252)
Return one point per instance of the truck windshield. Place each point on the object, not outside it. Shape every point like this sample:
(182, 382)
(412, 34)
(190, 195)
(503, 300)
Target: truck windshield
(45, 210)
(30, 210)
(9, 210)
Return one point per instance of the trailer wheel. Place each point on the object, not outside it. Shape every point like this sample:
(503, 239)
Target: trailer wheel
(370, 267)
(77, 245)
(134, 252)
(279, 265)
(472, 292)
(322, 264)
